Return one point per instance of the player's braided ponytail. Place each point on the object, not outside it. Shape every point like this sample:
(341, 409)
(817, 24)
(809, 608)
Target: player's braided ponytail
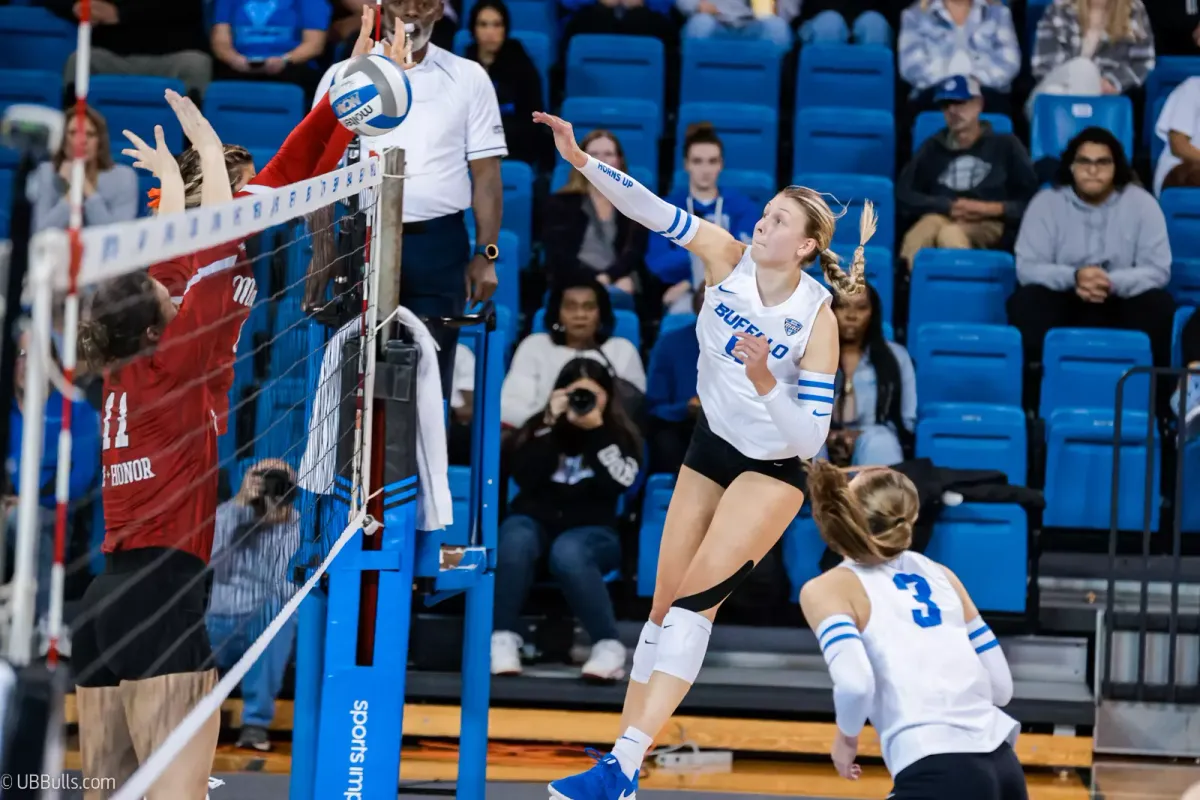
(871, 523)
(853, 282)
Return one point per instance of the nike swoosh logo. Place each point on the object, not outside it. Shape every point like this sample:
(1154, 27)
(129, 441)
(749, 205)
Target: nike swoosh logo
(777, 463)
(721, 288)
(647, 641)
(819, 414)
(627, 796)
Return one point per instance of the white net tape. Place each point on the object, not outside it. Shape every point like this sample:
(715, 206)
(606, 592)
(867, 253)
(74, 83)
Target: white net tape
(263, 395)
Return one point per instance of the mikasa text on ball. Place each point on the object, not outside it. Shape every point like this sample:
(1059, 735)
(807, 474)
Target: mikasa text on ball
(371, 95)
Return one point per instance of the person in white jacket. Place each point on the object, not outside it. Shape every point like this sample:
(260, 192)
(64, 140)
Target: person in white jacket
(579, 323)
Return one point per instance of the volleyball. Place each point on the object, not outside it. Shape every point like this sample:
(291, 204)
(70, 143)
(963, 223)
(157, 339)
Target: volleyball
(371, 95)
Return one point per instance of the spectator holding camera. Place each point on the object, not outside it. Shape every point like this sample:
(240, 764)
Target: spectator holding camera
(572, 461)
(257, 532)
(579, 322)
(277, 41)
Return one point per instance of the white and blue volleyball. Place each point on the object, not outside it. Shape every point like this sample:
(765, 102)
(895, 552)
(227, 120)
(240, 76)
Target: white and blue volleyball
(371, 95)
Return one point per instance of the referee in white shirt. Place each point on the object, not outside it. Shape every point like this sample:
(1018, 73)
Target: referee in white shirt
(453, 141)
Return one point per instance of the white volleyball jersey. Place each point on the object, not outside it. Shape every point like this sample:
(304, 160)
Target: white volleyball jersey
(728, 397)
(932, 693)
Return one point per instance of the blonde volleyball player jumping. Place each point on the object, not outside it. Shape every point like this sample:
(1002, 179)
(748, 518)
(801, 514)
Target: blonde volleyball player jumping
(907, 648)
(768, 354)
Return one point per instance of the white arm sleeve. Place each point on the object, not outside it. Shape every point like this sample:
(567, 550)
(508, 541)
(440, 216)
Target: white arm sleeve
(987, 647)
(850, 669)
(802, 412)
(640, 204)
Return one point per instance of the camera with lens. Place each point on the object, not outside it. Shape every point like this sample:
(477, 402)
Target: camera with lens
(581, 401)
(278, 489)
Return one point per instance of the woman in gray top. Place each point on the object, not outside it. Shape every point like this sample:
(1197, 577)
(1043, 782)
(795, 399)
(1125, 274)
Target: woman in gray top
(110, 191)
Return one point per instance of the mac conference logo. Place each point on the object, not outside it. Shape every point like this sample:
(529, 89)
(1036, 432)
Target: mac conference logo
(791, 326)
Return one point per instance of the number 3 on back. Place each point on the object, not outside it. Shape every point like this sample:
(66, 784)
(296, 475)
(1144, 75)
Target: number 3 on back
(930, 616)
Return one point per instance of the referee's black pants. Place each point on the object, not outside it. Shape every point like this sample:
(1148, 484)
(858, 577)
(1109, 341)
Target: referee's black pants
(433, 280)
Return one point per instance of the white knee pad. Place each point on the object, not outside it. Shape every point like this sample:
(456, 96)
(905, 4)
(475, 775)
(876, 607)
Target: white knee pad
(645, 653)
(683, 643)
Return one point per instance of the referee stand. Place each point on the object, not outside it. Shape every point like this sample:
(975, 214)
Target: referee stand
(352, 652)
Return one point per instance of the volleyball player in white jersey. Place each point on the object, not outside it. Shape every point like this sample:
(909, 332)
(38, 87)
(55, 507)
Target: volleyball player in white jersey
(907, 648)
(768, 354)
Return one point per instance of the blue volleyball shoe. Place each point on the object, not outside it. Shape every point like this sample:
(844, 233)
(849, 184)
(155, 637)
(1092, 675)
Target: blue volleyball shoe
(604, 781)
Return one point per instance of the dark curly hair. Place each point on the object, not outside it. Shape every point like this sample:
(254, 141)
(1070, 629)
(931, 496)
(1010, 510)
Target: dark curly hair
(1123, 174)
(114, 328)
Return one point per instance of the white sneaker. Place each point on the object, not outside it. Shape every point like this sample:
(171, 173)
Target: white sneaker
(506, 653)
(607, 661)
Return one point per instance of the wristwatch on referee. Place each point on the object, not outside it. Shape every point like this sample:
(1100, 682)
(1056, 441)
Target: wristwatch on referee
(488, 251)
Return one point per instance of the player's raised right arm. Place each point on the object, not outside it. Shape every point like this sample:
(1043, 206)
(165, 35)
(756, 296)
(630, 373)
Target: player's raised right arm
(716, 247)
(986, 645)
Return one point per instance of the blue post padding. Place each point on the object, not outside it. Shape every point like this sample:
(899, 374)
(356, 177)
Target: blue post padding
(310, 648)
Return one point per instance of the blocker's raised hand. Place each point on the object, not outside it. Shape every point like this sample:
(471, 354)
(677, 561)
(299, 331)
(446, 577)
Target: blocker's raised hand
(196, 128)
(156, 160)
(564, 138)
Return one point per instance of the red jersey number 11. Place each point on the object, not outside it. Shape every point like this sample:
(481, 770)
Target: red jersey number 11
(122, 438)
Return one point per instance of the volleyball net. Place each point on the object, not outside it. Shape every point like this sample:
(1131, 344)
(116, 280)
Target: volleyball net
(258, 393)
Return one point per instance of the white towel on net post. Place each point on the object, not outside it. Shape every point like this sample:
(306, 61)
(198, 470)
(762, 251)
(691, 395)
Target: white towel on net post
(435, 507)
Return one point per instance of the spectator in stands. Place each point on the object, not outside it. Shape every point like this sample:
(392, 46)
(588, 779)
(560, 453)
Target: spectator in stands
(625, 17)
(1178, 126)
(274, 41)
(572, 461)
(1091, 47)
(839, 21)
(671, 399)
(580, 228)
(85, 468)
(1189, 341)
(1092, 252)
(132, 37)
(679, 270)
(257, 532)
(1176, 26)
(518, 85)
(579, 322)
(875, 412)
(767, 20)
(940, 39)
(967, 184)
(110, 190)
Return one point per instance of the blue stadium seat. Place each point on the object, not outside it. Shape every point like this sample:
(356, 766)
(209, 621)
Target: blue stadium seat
(1057, 118)
(802, 551)
(968, 363)
(975, 436)
(257, 114)
(959, 286)
(730, 71)
(750, 133)
(1181, 207)
(639, 173)
(880, 273)
(1185, 280)
(673, 322)
(1190, 521)
(757, 185)
(33, 38)
(536, 44)
(281, 421)
(517, 177)
(1079, 470)
(1168, 72)
(627, 325)
(852, 190)
(460, 497)
(1182, 315)
(637, 124)
(654, 514)
(1156, 144)
(508, 273)
(136, 103)
(855, 140)
(986, 545)
(930, 122)
(1081, 367)
(846, 76)
(609, 65)
(35, 87)
(533, 15)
